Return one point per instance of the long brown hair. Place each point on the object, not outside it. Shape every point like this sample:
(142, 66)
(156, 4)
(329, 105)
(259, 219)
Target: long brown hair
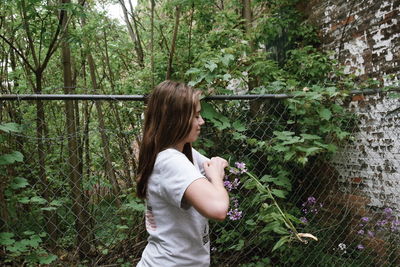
(168, 120)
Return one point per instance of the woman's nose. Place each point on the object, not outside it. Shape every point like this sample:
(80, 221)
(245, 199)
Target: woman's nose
(201, 122)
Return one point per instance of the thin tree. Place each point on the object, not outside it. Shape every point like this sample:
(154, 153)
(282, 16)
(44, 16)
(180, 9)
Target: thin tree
(133, 32)
(79, 206)
(173, 42)
(110, 172)
(122, 142)
(152, 6)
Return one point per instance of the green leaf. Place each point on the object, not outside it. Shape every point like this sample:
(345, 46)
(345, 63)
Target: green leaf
(211, 66)
(122, 227)
(281, 242)
(278, 193)
(6, 238)
(56, 203)
(23, 200)
(10, 127)
(226, 59)
(208, 111)
(270, 226)
(310, 137)
(283, 135)
(309, 150)
(325, 114)
(251, 222)
(28, 233)
(226, 77)
(225, 123)
(238, 126)
(289, 155)
(47, 259)
(33, 242)
(238, 136)
(18, 183)
(38, 200)
(10, 158)
(18, 246)
(192, 70)
(48, 208)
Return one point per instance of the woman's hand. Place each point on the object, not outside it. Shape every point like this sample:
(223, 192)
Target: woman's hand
(209, 197)
(215, 169)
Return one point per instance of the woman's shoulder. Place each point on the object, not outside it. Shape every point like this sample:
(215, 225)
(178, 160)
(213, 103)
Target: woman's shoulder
(170, 154)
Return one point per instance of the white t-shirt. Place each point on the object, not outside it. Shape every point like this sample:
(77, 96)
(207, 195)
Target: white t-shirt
(178, 233)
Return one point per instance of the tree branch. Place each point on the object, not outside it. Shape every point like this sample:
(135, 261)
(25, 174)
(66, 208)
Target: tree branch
(18, 52)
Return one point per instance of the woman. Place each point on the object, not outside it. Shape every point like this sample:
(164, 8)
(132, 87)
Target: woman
(182, 188)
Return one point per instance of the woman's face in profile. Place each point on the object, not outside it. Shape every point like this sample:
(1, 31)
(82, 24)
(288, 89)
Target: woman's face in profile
(197, 122)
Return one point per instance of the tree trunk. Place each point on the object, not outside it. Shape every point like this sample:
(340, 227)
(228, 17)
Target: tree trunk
(50, 216)
(3, 205)
(152, 6)
(104, 138)
(190, 37)
(79, 206)
(133, 34)
(248, 22)
(123, 146)
(173, 43)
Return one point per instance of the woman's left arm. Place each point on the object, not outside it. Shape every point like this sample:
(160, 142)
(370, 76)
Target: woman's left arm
(209, 197)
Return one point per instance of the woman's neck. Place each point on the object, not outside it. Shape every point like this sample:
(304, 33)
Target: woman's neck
(179, 146)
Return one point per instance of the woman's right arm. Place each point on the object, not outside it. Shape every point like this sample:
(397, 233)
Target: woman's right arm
(209, 197)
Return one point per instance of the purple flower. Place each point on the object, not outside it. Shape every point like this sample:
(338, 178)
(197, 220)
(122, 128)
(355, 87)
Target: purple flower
(370, 233)
(360, 247)
(234, 171)
(388, 211)
(235, 202)
(241, 166)
(234, 214)
(360, 232)
(231, 185)
(311, 200)
(381, 222)
(365, 219)
(228, 185)
(303, 220)
(395, 225)
(236, 183)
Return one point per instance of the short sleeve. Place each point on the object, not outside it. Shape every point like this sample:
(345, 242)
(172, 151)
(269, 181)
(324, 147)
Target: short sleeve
(178, 173)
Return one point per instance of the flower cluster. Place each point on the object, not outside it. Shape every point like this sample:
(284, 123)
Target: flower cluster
(388, 223)
(234, 213)
(310, 206)
(232, 184)
(240, 168)
(341, 248)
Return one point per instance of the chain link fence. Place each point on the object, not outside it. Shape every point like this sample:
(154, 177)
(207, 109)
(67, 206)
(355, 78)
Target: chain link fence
(71, 200)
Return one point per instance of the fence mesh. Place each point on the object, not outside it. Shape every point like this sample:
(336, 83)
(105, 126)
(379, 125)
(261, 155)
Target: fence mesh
(71, 201)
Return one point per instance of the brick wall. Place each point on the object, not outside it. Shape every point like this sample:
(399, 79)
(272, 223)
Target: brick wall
(371, 163)
(365, 36)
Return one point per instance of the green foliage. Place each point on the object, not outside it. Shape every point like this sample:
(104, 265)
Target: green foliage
(29, 248)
